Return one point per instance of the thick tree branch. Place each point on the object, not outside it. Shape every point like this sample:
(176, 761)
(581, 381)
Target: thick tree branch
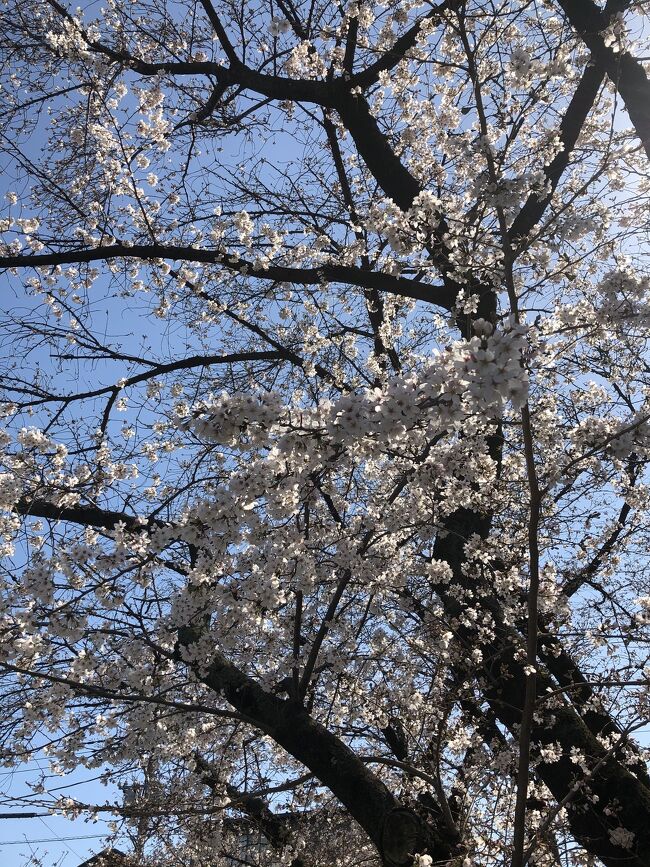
(505, 690)
(219, 29)
(625, 71)
(276, 827)
(86, 516)
(567, 673)
(345, 274)
(396, 831)
(374, 301)
(571, 125)
(402, 45)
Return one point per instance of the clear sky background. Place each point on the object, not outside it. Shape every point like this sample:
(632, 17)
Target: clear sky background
(52, 841)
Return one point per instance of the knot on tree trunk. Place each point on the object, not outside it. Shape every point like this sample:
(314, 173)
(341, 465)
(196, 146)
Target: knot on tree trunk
(402, 836)
(405, 833)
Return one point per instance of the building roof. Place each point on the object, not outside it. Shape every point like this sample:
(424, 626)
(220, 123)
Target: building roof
(107, 858)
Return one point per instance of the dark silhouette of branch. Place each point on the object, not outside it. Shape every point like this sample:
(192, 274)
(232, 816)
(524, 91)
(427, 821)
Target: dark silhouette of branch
(625, 71)
(277, 273)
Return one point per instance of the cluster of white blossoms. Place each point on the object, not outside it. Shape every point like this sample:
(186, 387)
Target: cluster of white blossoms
(69, 41)
(33, 438)
(225, 418)
(34, 458)
(521, 63)
(625, 297)
(616, 35)
(10, 491)
(405, 231)
(622, 837)
(244, 227)
(304, 61)
(468, 377)
(242, 530)
(279, 26)
(613, 437)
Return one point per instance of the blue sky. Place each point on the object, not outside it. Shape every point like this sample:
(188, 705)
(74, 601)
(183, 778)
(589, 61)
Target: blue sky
(56, 841)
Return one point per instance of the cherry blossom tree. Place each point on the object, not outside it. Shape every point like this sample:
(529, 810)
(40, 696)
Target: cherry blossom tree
(325, 448)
